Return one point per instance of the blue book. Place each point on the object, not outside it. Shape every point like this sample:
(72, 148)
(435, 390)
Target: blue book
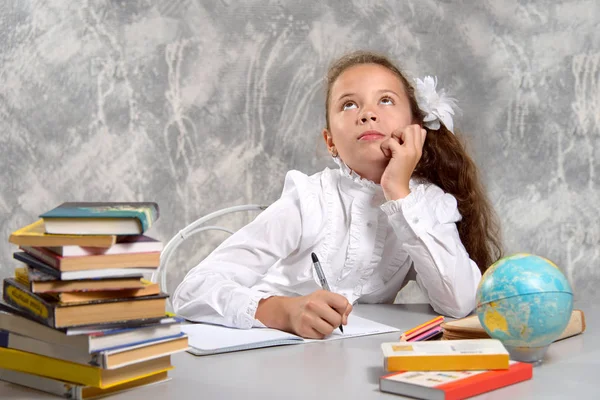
(101, 218)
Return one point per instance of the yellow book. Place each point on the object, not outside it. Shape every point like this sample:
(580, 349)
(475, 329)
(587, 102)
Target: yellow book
(449, 355)
(30, 363)
(35, 235)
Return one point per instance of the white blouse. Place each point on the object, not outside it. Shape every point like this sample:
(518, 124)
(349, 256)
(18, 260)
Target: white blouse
(365, 245)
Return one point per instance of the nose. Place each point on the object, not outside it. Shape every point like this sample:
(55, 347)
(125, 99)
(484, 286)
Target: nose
(367, 116)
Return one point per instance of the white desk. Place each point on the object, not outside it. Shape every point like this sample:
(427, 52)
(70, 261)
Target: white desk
(349, 369)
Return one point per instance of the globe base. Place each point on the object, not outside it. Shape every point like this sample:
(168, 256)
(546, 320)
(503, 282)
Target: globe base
(532, 355)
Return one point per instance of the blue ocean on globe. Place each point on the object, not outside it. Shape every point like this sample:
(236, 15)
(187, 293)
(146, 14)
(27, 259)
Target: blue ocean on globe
(525, 301)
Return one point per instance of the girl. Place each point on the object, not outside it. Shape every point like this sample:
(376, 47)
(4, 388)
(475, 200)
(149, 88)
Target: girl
(406, 197)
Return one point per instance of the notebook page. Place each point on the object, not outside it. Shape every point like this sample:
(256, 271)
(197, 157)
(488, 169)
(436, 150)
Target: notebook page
(213, 339)
(207, 339)
(357, 326)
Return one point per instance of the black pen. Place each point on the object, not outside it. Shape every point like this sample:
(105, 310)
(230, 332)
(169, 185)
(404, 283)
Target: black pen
(321, 276)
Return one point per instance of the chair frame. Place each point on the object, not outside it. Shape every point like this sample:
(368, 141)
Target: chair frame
(160, 275)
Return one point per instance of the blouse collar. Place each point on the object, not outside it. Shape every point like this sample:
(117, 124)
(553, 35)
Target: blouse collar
(359, 181)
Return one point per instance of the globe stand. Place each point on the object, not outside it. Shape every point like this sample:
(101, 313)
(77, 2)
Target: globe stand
(532, 355)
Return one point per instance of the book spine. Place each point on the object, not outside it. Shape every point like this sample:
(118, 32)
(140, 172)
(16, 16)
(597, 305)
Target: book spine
(31, 345)
(52, 386)
(17, 296)
(447, 362)
(44, 256)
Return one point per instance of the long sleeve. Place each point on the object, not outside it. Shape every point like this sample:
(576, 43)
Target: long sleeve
(218, 290)
(425, 221)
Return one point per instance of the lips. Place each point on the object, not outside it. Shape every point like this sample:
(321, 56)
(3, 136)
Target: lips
(371, 135)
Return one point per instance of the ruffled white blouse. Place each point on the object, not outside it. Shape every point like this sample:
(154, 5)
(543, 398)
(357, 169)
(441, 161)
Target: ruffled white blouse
(365, 245)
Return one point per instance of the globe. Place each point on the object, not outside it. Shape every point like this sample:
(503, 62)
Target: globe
(524, 301)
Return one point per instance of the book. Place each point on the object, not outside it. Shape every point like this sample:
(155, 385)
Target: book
(104, 261)
(150, 289)
(46, 269)
(422, 332)
(93, 339)
(74, 391)
(124, 245)
(35, 235)
(30, 363)
(39, 282)
(206, 339)
(451, 355)
(453, 385)
(470, 328)
(56, 315)
(107, 359)
(101, 218)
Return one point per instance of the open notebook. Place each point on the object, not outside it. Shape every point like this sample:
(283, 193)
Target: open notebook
(205, 339)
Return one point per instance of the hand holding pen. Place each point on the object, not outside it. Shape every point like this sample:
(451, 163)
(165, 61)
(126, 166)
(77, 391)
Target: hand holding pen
(313, 316)
(323, 280)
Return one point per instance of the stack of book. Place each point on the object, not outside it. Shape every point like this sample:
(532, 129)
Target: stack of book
(470, 328)
(451, 369)
(78, 319)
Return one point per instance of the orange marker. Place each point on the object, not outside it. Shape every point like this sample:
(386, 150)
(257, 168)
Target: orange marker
(422, 328)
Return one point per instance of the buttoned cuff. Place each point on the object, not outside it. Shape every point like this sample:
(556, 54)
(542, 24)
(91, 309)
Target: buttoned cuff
(245, 316)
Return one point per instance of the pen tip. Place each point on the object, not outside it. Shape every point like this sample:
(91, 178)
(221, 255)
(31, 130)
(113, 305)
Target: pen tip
(314, 257)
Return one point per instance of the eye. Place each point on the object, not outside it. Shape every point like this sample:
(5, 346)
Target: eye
(348, 105)
(386, 101)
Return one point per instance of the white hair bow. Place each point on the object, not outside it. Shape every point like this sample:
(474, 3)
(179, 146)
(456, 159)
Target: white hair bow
(436, 106)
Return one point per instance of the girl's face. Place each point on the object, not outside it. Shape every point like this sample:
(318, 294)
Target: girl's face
(368, 102)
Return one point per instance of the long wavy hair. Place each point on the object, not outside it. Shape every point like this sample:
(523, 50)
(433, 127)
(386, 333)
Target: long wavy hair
(445, 163)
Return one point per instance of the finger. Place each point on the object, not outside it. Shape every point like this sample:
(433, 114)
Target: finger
(336, 301)
(390, 147)
(322, 326)
(346, 313)
(326, 313)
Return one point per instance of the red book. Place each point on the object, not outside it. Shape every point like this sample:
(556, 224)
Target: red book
(453, 385)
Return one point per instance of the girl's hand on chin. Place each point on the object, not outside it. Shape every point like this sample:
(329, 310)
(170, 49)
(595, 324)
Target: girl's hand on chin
(404, 150)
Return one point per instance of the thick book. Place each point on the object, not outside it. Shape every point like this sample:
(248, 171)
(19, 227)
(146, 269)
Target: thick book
(56, 315)
(207, 339)
(106, 273)
(470, 328)
(40, 282)
(150, 289)
(35, 235)
(103, 261)
(451, 355)
(92, 339)
(30, 363)
(453, 385)
(74, 391)
(101, 218)
(107, 359)
(124, 245)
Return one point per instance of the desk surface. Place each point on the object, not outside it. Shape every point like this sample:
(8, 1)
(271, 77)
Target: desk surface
(350, 368)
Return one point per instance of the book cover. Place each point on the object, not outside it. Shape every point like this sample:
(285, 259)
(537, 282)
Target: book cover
(451, 355)
(109, 273)
(124, 245)
(81, 263)
(149, 289)
(91, 338)
(470, 328)
(73, 391)
(56, 315)
(35, 235)
(453, 385)
(38, 282)
(73, 217)
(22, 361)
(110, 359)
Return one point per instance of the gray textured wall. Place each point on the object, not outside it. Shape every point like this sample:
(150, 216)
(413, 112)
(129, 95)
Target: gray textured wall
(203, 104)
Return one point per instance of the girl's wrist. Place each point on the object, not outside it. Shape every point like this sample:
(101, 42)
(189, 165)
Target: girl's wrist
(396, 193)
(272, 313)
